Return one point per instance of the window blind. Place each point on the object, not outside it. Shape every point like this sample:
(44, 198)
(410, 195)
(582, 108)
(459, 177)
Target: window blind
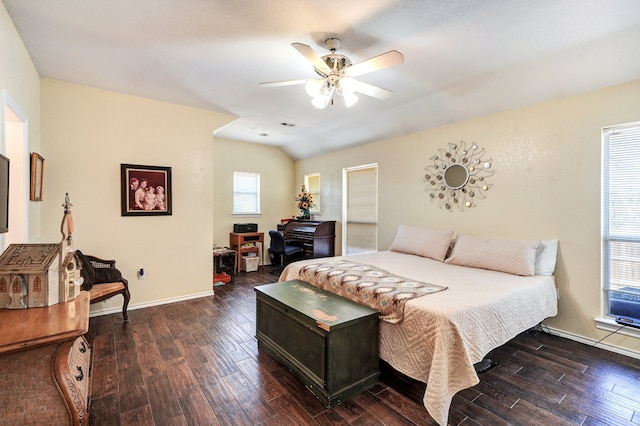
(621, 208)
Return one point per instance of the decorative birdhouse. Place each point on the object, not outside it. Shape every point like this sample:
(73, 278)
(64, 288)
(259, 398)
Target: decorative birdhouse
(71, 279)
(30, 276)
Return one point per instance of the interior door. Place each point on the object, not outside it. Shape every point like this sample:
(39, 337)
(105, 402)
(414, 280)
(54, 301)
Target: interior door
(14, 145)
(360, 233)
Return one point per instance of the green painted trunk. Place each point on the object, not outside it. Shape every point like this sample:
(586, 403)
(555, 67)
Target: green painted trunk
(329, 342)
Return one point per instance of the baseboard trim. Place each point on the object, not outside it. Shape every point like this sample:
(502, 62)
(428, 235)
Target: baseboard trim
(135, 306)
(606, 346)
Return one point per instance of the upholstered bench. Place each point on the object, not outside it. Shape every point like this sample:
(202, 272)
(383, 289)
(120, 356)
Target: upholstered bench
(103, 280)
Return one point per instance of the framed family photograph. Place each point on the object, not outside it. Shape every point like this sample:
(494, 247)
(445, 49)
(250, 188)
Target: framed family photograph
(146, 190)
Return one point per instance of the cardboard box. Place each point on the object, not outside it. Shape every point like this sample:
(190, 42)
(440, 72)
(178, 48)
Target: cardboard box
(250, 263)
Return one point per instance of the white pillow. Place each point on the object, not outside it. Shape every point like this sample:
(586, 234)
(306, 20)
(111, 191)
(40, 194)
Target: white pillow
(546, 257)
(429, 243)
(512, 256)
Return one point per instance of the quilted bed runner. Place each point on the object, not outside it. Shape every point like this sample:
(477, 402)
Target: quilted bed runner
(368, 285)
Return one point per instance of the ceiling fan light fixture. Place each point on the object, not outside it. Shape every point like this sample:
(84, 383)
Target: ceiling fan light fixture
(350, 99)
(313, 87)
(326, 89)
(320, 101)
(347, 85)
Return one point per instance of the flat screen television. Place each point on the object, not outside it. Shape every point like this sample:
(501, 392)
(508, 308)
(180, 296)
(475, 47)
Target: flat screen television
(4, 194)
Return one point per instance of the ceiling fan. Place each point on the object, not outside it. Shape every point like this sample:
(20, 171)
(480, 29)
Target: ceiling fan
(337, 74)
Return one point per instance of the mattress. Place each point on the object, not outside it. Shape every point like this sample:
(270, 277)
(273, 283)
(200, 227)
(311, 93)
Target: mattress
(443, 334)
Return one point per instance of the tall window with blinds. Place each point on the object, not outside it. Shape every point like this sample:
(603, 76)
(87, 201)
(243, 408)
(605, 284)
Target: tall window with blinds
(621, 220)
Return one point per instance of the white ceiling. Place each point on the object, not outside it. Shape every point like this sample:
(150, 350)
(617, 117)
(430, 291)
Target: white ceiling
(463, 58)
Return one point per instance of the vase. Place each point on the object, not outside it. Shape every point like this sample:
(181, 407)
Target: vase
(305, 214)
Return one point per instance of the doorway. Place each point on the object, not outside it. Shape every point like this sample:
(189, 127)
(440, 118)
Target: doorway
(15, 147)
(360, 209)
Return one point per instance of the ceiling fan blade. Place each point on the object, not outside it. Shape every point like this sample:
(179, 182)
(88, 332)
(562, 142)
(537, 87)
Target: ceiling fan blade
(282, 83)
(385, 60)
(371, 90)
(312, 57)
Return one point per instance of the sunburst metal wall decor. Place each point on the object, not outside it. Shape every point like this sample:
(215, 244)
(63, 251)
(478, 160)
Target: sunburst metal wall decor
(458, 177)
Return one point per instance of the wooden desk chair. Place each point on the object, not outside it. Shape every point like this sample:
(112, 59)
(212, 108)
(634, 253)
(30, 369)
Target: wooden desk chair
(103, 280)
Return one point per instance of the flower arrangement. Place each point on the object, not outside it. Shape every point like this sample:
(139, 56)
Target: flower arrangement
(305, 201)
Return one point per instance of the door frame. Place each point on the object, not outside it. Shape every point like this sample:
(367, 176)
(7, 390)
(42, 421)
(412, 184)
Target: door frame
(18, 154)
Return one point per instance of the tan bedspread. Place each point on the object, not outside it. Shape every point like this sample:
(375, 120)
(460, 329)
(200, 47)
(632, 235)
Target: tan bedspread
(443, 334)
(365, 284)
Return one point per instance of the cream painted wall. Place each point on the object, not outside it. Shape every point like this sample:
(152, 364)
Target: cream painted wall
(20, 80)
(546, 185)
(547, 181)
(87, 134)
(276, 186)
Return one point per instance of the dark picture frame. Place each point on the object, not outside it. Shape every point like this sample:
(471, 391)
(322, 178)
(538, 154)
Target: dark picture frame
(37, 177)
(138, 199)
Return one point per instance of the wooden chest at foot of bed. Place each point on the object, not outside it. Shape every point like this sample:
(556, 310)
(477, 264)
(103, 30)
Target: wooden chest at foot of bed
(329, 342)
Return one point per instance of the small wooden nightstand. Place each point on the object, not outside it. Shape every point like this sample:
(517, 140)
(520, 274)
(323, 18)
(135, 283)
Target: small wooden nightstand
(245, 242)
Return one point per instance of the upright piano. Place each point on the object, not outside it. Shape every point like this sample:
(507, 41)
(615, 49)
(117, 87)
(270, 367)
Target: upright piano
(317, 238)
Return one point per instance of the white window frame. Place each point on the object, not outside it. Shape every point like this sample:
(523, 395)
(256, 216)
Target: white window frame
(620, 242)
(238, 209)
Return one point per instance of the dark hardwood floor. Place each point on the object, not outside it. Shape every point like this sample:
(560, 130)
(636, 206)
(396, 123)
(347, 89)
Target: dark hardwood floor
(196, 363)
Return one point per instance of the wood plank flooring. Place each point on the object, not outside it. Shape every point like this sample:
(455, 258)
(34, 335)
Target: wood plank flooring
(196, 363)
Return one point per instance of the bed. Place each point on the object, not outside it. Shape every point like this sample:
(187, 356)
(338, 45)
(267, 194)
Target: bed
(443, 334)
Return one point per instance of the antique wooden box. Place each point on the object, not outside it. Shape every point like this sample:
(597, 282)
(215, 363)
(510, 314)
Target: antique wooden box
(30, 276)
(329, 342)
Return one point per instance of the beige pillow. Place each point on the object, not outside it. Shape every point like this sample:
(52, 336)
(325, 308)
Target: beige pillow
(546, 257)
(422, 242)
(512, 256)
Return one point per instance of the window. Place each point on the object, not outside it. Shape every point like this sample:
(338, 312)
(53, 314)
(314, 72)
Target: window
(246, 193)
(621, 220)
(312, 183)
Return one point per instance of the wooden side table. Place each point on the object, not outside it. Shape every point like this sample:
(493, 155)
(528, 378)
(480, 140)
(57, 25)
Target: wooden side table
(240, 242)
(45, 363)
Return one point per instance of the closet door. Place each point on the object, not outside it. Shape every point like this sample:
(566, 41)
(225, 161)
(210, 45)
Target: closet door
(361, 209)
